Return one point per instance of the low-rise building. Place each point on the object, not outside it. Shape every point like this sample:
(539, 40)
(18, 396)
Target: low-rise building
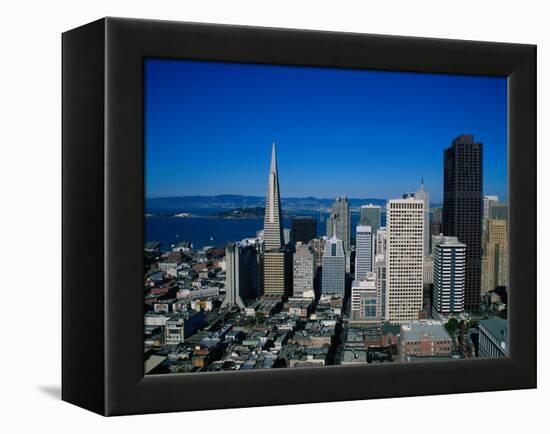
(424, 339)
(182, 325)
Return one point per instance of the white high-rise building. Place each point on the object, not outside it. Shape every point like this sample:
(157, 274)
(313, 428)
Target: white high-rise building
(363, 251)
(449, 275)
(303, 266)
(405, 259)
(333, 278)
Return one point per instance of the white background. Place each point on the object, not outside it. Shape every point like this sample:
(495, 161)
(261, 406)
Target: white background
(30, 214)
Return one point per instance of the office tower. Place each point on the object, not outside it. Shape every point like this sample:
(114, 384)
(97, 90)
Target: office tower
(304, 229)
(233, 277)
(363, 252)
(381, 244)
(487, 201)
(381, 272)
(303, 270)
(371, 215)
(424, 196)
(333, 279)
(495, 258)
(463, 208)
(405, 259)
(449, 275)
(428, 273)
(277, 269)
(276, 260)
(338, 224)
(318, 245)
(364, 299)
(273, 225)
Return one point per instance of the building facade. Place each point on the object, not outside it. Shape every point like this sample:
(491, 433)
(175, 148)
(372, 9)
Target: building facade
(304, 229)
(371, 215)
(338, 223)
(363, 252)
(405, 259)
(364, 300)
(242, 274)
(493, 338)
(463, 207)
(495, 257)
(276, 264)
(303, 270)
(449, 275)
(424, 339)
(333, 280)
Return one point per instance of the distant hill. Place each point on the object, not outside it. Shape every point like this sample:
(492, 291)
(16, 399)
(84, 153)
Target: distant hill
(231, 201)
(242, 213)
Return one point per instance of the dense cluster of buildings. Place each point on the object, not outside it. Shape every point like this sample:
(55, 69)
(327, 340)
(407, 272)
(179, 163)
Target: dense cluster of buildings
(430, 284)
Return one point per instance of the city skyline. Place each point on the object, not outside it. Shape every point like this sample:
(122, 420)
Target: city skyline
(392, 125)
(276, 297)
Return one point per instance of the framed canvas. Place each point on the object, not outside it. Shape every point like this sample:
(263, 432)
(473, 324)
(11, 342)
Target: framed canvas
(256, 216)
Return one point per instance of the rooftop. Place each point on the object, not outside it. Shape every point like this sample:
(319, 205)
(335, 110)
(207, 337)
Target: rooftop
(424, 329)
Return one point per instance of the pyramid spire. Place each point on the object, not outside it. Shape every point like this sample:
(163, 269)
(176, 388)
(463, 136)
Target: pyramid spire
(273, 225)
(273, 167)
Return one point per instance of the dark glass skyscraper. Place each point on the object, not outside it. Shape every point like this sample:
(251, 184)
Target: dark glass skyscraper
(463, 207)
(304, 229)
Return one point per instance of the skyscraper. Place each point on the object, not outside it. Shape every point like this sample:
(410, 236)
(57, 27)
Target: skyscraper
(333, 278)
(463, 207)
(495, 258)
(273, 225)
(363, 252)
(233, 277)
(303, 270)
(304, 229)
(449, 275)
(371, 215)
(338, 224)
(405, 256)
(276, 259)
(424, 196)
(277, 269)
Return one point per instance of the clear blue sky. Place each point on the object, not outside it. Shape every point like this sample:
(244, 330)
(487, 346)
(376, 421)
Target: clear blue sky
(364, 134)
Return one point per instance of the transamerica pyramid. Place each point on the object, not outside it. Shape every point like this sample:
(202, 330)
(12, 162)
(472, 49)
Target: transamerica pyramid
(273, 225)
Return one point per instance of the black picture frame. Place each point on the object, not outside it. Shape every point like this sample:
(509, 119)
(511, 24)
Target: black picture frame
(103, 212)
